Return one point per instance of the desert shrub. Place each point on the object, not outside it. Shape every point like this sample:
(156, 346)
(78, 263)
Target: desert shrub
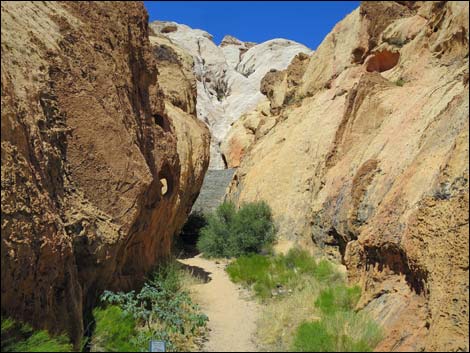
(214, 238)
(161, 310)
(20, 337)
(231, 232)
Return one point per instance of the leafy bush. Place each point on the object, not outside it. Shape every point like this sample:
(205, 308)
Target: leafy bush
(161, 310)
(20, 337)
(231, 233)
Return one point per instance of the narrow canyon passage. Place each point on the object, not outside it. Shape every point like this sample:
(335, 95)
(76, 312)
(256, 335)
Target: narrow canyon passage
(232, 313)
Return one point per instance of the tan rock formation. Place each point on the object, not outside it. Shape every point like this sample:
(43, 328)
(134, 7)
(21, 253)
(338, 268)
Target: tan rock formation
(228, 75)
(366, 160)
(100, 164)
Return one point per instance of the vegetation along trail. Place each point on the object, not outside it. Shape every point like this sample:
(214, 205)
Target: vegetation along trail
(232, 314)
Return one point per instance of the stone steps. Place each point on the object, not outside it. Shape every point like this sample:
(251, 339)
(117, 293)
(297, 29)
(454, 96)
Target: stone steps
(213, 189)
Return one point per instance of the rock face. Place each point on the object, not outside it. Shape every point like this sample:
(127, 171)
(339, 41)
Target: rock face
(102, 155)
(228, 75)
(363, 155)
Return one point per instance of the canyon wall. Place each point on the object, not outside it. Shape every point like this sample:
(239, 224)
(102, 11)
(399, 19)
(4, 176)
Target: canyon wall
(362, 153)
(102, 158)
(228, 75)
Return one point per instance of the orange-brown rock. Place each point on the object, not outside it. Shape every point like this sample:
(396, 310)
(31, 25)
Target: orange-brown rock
(367, 162)
(100, 164)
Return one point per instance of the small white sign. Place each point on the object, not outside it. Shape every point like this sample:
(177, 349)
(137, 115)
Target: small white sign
(157, 346)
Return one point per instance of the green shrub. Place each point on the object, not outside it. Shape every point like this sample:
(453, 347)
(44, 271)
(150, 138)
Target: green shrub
(214, 238)
(20, 337)
(232, 233)
(338, 298)
(161, 310)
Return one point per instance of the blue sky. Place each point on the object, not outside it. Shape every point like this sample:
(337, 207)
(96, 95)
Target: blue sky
(256, 21)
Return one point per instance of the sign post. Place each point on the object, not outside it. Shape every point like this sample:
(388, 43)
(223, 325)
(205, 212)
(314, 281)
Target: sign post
(157, 346)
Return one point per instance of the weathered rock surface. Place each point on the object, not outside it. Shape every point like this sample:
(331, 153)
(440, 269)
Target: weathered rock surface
(102, 155)
(228, 75)
(363, 153)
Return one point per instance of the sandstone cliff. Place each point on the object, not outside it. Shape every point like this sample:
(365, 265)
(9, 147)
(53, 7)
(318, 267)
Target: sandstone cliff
(101, 157)
(363, 154)
(228, 75)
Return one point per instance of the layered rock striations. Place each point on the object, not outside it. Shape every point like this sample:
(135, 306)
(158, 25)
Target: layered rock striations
(362, 154)
(102, 155)
(228, 75)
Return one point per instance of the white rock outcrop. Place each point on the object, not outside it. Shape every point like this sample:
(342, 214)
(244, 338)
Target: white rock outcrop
(228, 76)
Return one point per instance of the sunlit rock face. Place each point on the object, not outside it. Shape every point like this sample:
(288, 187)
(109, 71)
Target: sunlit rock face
(228, 76)
(362, 153)
(101, 159)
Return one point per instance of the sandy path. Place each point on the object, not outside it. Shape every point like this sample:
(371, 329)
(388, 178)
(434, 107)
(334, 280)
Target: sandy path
(232, 316)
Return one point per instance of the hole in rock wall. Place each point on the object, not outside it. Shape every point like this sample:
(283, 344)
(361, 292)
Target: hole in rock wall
(382, 61)
(164, 186)
(166, 182)
(162, 121)
(358, 55)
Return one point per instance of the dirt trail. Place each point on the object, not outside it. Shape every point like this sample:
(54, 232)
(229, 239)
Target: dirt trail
(232, 315)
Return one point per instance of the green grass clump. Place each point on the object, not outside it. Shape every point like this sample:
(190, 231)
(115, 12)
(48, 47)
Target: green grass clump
(230, 232)
(114, 330)
(266, 273)
(340, 328)
(313, 334)
(308, 306)
(338, 298)
(343, 331)
(20, 337)
(162, 310)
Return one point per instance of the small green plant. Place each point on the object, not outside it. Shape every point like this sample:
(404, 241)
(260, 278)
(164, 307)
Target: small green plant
(400, 82)
(231, 232)
(161, 310)
(20, 337)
